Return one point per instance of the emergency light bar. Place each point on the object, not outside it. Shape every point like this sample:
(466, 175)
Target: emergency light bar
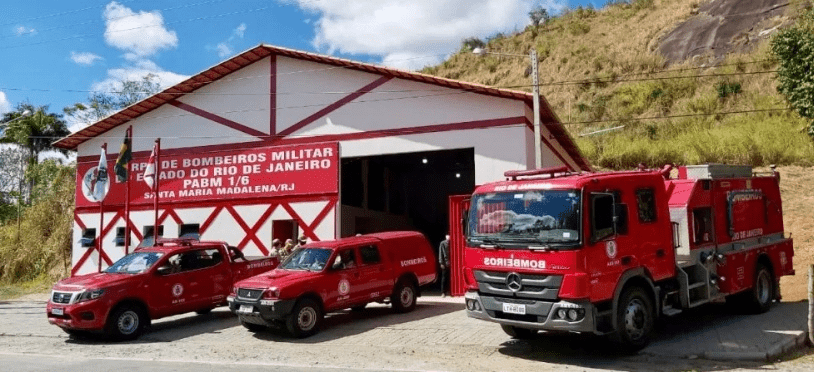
(513, 174)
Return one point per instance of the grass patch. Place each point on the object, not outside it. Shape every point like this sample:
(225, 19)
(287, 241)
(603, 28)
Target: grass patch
(41, 284)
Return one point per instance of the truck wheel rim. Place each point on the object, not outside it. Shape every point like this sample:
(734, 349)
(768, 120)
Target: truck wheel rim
(307, 318)
(406, 297)
(763, 289)
(635, 319)
(128, 322)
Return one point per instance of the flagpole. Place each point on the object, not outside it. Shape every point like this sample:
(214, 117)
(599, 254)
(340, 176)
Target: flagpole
(127, 196)
(155, 199)
(101, 216)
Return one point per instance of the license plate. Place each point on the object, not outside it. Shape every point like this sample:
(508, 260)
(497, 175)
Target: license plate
(58, 311)
(245, 309)
(514, 309)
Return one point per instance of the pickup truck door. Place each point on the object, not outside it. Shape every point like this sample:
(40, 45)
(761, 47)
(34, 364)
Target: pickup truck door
(168, 289)
(211, 279)
(344, 275)
(375, 278)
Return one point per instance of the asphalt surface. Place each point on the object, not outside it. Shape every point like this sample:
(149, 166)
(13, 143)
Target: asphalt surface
(437, 336)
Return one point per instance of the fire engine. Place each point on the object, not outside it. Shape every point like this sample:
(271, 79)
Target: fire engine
(610, 252)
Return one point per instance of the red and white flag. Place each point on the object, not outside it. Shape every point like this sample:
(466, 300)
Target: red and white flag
(149, 172)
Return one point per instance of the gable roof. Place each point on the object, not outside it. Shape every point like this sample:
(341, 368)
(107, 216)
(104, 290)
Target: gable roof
(547, 116)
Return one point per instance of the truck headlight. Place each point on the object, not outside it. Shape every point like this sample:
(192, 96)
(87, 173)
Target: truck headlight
(90, 294)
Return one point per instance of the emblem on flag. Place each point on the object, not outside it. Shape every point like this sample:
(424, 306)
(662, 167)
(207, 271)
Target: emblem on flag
(95, 183)
(149, 172)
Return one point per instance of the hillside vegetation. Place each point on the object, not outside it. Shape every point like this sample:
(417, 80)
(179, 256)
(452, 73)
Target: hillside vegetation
(601, 69)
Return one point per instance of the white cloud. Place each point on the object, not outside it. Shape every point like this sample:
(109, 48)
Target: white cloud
(137, 71)
(84, 58)
(413, 34)
(22, 30)
(240, 30)
(5, 105)
(142, 33)
(225, 48)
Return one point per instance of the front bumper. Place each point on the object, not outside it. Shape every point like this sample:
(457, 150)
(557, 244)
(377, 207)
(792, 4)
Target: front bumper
(541, 315)
(86, 316)
(263, 312)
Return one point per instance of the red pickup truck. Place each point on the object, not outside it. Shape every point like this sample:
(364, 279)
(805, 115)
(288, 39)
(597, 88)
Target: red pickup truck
(176, 276)
(326, 276)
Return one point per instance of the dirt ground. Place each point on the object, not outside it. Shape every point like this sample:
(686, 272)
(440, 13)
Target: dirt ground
(797, 190)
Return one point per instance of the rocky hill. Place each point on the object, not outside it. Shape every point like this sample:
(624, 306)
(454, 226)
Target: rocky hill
(682, 81)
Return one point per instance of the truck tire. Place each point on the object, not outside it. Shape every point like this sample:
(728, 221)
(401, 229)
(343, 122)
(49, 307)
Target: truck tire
(634, 319)
(204, 311)
(253, 327)
(359, 308)
(519, 333)
(305, 319)
(403, 297)
(759, 298)
(125, 322)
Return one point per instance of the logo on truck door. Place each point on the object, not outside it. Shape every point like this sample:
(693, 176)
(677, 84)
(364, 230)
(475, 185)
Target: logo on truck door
(344, 287)
(610, 249)
(177, 290)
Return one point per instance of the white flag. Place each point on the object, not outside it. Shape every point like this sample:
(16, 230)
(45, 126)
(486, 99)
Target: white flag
(149, 172)
(100, 178)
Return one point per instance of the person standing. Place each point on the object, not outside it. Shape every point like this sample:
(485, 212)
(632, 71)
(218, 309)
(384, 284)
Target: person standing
(443, 260)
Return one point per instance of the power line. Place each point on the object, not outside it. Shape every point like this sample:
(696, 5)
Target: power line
(418, 130)
(116, 18)
(137, 28)
(193, 93)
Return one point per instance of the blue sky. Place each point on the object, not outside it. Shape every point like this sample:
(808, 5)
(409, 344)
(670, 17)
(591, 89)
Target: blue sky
(55, 52)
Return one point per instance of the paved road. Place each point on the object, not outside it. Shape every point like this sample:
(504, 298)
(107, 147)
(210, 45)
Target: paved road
(437, 336)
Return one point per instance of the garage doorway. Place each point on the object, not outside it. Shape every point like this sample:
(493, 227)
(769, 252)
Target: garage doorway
(404, 191)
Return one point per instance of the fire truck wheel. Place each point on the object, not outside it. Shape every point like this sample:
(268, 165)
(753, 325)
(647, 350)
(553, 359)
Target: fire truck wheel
(304, 320)
(762, 293)
(253, 327)
(403, 297)
(519, 333)
(634, 319)
(125, 323)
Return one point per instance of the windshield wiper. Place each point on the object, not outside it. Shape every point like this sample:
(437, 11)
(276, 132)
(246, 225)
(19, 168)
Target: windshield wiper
(491, 241)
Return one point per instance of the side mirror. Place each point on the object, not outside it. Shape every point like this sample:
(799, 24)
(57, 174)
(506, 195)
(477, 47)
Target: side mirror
(464, 221)
(164, 270)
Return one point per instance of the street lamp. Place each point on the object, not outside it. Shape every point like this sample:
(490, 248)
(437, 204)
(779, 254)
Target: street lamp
(535, 84)
(20, 180)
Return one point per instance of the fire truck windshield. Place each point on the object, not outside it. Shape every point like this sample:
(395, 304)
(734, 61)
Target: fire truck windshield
(549, 218)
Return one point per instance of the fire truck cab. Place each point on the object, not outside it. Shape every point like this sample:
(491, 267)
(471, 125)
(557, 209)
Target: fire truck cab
(610, 252)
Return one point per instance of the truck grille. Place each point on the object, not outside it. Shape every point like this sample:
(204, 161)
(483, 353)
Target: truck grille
(531, 286)
(249, 294)
(61, 297)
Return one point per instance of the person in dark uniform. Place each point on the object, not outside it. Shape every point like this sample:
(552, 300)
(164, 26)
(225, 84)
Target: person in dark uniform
(443, 260)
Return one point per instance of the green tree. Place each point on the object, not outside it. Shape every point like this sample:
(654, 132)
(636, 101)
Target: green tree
(101, 104)
(539, 16)
(34, 133)
(794, 48)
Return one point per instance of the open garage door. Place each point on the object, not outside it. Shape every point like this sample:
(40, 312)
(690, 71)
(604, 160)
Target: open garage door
(404, 191)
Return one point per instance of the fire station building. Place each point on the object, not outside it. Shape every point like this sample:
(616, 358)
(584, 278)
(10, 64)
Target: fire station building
(278, 143)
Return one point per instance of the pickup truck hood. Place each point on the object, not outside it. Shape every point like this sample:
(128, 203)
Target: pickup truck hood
(276, 278)
(92, 281)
